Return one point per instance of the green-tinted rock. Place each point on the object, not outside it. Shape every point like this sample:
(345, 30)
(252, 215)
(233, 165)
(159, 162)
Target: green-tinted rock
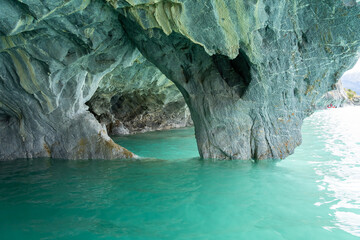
(250, 71)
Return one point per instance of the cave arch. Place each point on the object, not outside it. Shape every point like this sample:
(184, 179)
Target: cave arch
(253, 105)
(249, 75)
(138, 98)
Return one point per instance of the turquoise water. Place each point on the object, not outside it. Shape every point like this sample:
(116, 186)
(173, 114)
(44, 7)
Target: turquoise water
(314, 194)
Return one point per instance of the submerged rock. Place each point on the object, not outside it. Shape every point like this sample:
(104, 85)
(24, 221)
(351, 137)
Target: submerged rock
(249, 71)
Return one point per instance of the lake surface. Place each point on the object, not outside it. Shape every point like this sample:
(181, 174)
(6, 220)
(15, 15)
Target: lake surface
(313, 194)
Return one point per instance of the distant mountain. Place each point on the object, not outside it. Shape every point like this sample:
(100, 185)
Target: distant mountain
(351, 80)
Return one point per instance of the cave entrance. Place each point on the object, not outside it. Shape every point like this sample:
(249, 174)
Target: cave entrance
(135, 102)
(139, 99)
(211, 85)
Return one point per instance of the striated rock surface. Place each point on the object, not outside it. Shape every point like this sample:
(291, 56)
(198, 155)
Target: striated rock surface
(53, 55)
(138, 98)
(249, 71)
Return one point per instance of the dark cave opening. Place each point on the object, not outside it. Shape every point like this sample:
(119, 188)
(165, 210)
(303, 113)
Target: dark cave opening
(4, 117)
(128, 112)
(236, 72)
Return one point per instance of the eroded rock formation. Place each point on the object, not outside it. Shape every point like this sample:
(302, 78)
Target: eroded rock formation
(52, 56)
(249, 71)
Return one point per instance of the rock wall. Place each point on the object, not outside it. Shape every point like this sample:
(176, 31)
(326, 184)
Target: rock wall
(52, 56)
(249, 71)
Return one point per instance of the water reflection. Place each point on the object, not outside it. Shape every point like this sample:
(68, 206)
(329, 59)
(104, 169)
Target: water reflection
(340, 170)
(312, 194)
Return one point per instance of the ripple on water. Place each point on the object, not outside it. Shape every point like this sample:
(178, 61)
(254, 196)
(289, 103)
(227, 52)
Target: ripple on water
(313, 194)
(340, 170)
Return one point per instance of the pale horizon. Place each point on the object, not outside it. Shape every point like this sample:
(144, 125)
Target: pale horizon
(356, 68)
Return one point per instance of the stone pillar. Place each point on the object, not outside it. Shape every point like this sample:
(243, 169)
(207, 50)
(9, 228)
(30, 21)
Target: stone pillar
(232, 121)
(249, 72)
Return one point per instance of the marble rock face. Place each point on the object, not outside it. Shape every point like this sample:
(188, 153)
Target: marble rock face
(249, 71)
(53, 55)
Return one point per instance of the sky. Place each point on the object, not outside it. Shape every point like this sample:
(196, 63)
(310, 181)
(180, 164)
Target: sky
(351, 79)
(356, 68)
